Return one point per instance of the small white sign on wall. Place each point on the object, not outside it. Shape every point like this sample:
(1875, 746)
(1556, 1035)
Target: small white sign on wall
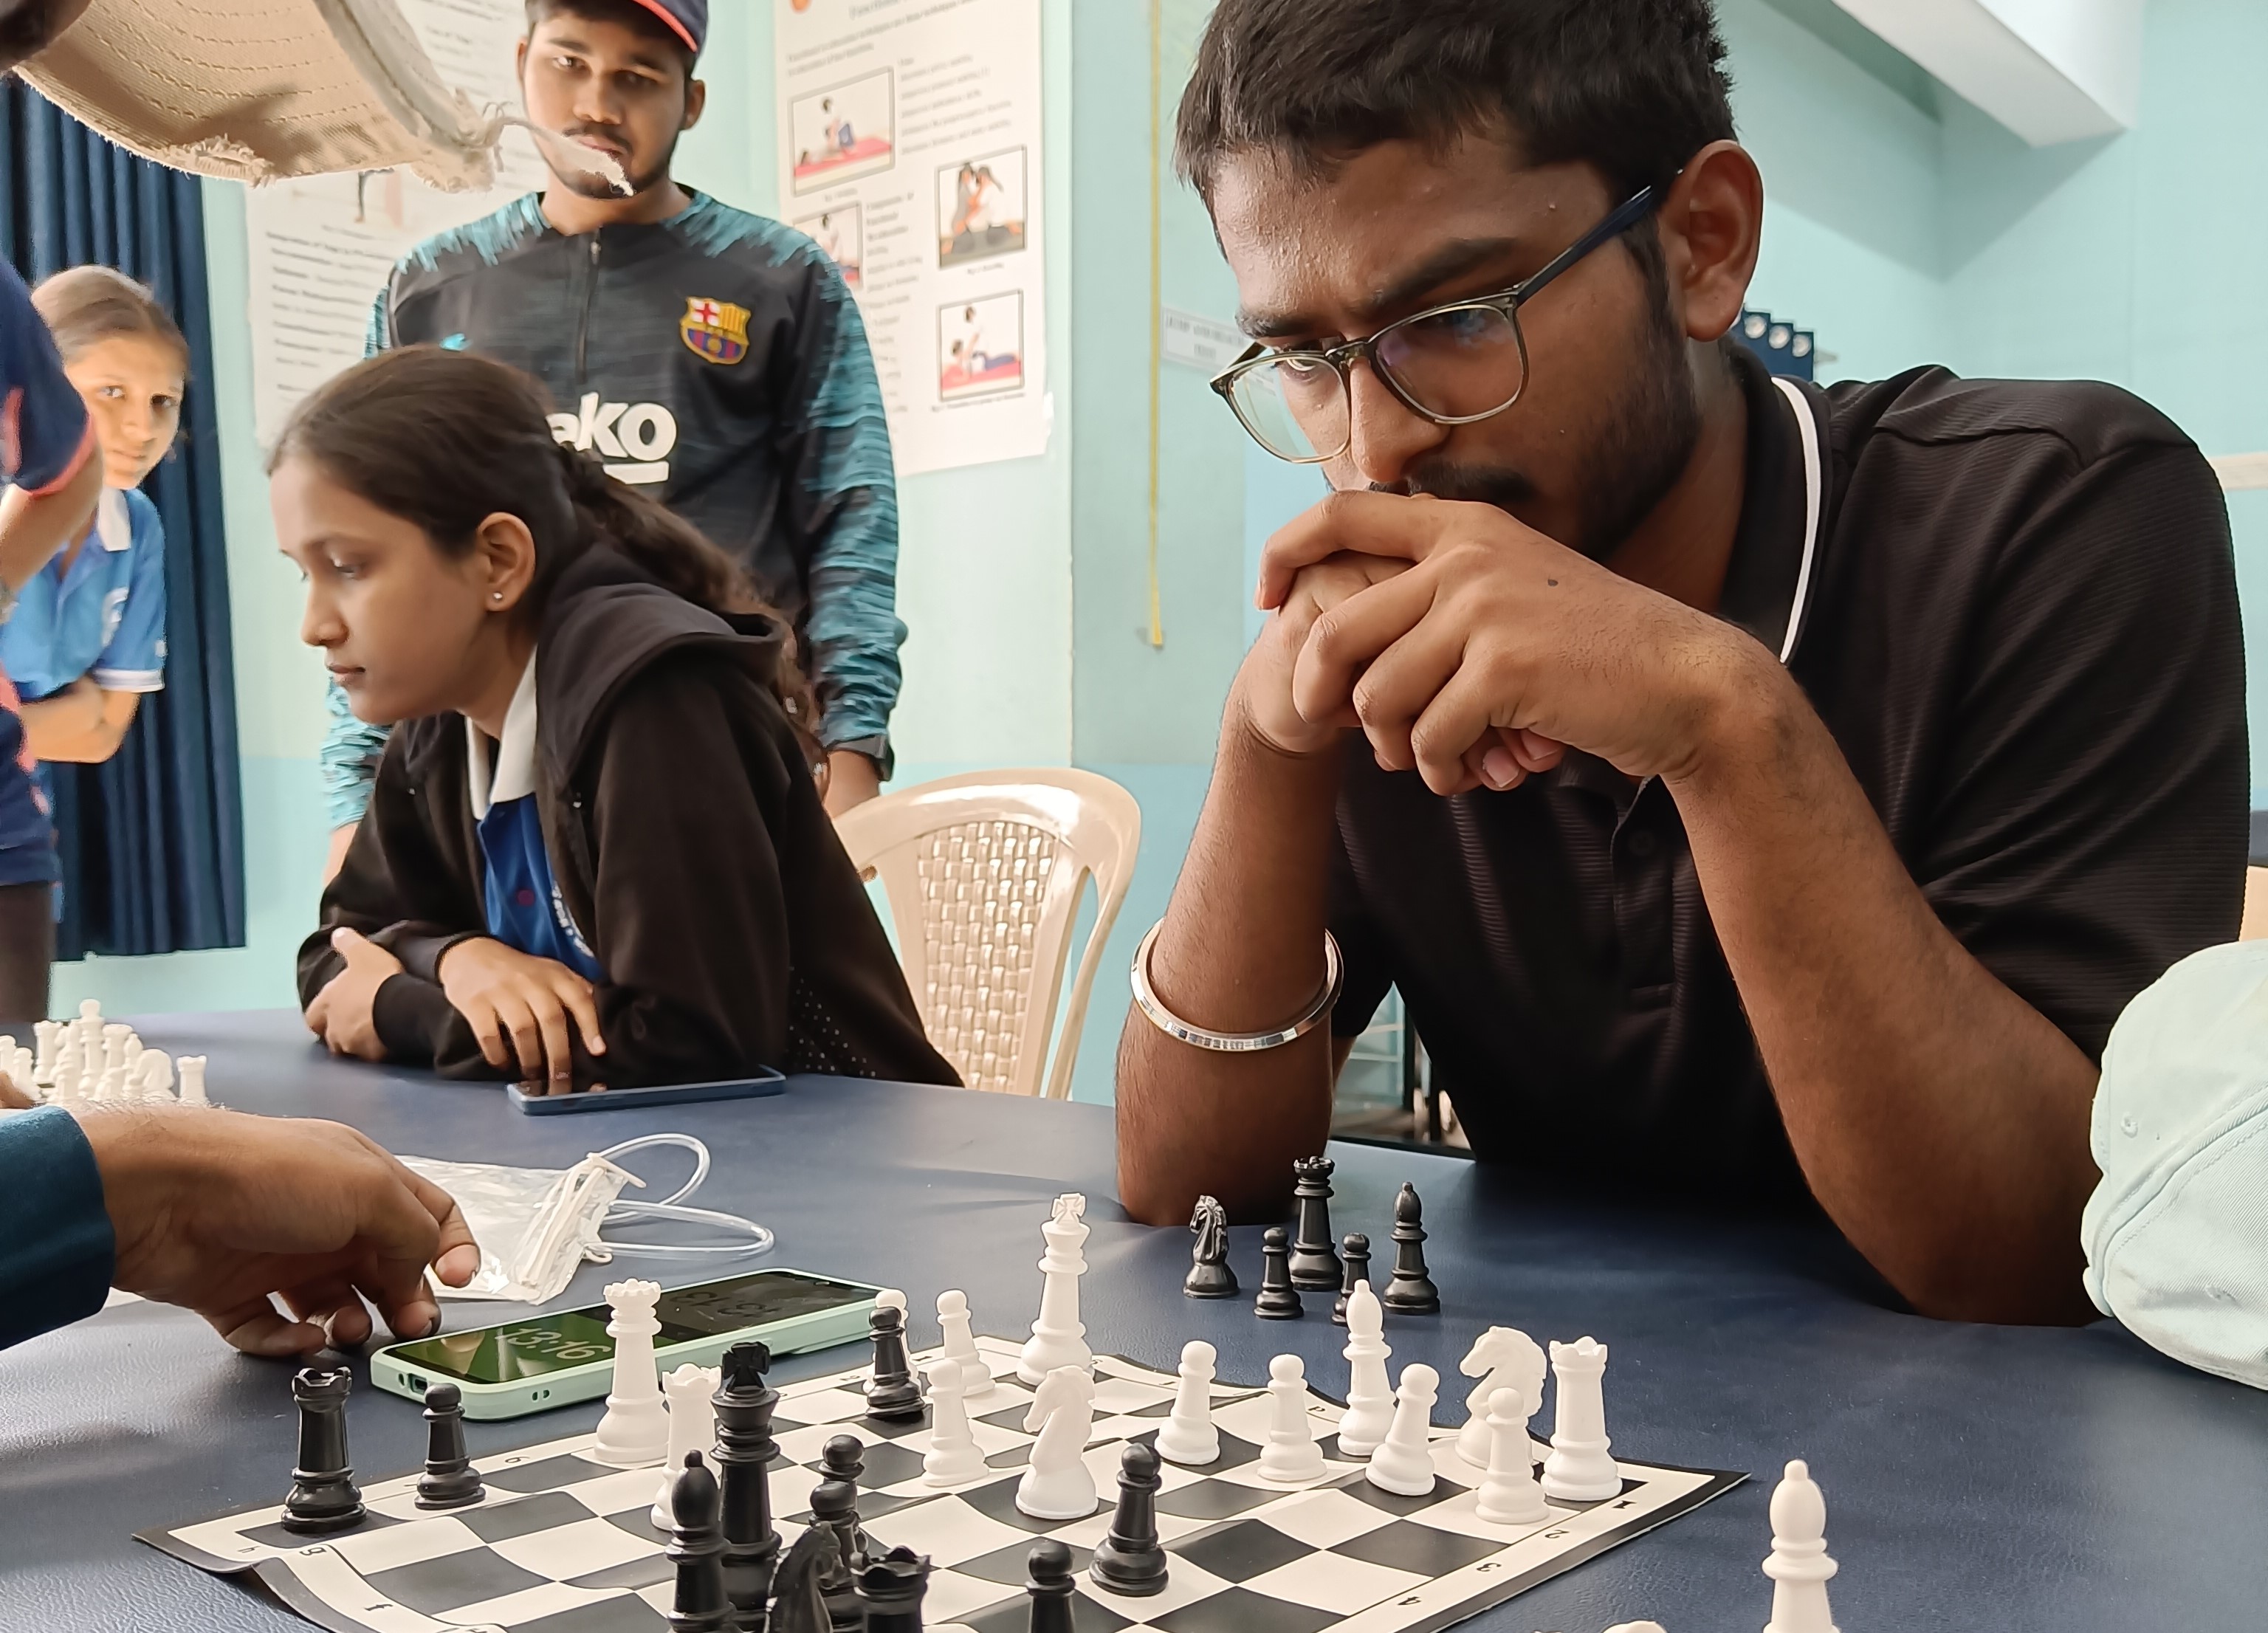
(1201, 344)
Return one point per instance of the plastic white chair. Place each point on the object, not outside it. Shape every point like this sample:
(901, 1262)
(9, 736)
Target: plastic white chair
(983, 873)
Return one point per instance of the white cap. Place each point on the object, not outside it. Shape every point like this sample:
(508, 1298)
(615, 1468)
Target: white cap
(2176, 1234)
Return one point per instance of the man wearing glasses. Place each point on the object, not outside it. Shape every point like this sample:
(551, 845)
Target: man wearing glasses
(1758, 792)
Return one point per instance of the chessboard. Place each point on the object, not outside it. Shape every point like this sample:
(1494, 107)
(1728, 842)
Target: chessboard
(561, 1544)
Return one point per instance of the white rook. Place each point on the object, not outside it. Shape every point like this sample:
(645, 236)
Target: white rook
(635, 1432)
(1058, 1336)
(692, 1428)
(1579, 1469)
(1799, 1566)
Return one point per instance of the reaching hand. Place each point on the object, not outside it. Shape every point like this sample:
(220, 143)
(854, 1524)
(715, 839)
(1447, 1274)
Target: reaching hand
(216, 1211)
(343, 1013)
(518, 1006)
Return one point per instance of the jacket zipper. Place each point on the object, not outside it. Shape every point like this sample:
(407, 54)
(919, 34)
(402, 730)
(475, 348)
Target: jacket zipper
(583, 319)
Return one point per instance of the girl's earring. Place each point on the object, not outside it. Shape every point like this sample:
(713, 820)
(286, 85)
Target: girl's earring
(495, 595)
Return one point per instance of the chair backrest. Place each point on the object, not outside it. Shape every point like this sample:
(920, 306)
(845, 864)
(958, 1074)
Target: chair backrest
(983, 874)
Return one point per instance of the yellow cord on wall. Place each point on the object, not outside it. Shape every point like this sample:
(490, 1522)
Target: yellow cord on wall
(1157, 295)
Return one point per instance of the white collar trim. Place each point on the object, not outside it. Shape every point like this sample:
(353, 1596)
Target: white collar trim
(514, 775)
(1814, 483)
(113, 523)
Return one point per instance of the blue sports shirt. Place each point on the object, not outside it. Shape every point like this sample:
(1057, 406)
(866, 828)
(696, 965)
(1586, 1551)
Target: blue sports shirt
(105, 616)
(45, 438)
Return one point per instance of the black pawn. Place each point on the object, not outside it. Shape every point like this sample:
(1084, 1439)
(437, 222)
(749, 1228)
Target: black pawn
(1411, 1291)
(891, 1589)
(697, 1548)
(450, 1480)
(1051, 1589)
(1278, 1300)
(324, 1496)
(1210, 1275)
(1355, 1251)
(744, 1404)
(1314, 1267)
(844, 1457)
(835, 1510)
(1131, 1560)
(891, 1391)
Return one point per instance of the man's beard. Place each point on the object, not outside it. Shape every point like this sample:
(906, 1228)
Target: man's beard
(1648, 438)
(590, 184)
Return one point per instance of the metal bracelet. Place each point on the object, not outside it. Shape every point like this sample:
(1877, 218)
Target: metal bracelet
(1233, 1042)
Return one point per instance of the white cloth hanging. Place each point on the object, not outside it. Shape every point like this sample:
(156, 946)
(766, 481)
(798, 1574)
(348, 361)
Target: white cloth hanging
(262, 90)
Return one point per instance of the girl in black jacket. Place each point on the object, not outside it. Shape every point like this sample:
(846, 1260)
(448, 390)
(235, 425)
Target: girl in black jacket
(594, 854)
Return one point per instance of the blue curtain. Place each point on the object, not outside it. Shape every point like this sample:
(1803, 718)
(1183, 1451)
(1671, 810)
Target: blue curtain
(152, 841)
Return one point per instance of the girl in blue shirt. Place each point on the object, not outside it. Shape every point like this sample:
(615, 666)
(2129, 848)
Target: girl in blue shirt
(87, 637)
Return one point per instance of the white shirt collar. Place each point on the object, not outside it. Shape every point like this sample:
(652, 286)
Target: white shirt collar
(514, 777)
(113, 523)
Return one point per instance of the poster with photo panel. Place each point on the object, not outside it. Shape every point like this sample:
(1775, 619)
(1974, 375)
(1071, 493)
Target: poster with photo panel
(911, 152)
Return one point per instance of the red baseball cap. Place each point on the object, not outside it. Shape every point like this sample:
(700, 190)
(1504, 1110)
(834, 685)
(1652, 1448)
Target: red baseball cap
(687, 19)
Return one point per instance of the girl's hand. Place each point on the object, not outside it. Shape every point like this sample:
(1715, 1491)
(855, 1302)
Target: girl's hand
(518, 1006)
(341, 1014)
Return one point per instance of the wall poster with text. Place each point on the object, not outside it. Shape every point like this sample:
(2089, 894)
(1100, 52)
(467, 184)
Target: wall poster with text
(910, 149)
(320, 247)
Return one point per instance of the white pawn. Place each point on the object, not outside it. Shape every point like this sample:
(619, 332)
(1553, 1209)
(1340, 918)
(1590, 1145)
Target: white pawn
(1058, 1336)
(157, 1075)
(111, 1086)
(1189, 1436)
(1799, 1566)
(134, 1052)
(1502, 1357)
(114, 1038)
(1509, 1494)
(47, 1033)
(635, 1432)
(690, 1390)
(961, 1344)
(952, 1457)
(1403, 1462)
(24, 1074)
(1370, 1393)
(193, 1080)
(1291, 1455)
(1579, 1469)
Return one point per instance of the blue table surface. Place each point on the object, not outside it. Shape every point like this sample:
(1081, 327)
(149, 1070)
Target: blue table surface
(1977, 1478)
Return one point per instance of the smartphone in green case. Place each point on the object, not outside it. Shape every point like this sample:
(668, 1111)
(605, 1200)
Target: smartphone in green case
(539, 1362)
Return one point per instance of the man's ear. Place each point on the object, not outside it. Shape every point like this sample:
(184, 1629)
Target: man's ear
(519, 61)
(1711, 224)
(696, 98)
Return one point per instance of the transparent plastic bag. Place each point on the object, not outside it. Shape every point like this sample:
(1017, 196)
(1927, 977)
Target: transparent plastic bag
(537, 1226)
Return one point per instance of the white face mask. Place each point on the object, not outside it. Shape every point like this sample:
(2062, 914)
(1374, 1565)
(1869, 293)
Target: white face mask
(537, 1226)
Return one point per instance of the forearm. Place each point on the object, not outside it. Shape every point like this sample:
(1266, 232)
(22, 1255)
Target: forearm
(853, 630)
(1241, 950)
(65, 731)
(1939, 1119)
(34, 527)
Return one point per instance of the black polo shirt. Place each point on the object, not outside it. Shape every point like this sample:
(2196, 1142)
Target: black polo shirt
(2018, 617)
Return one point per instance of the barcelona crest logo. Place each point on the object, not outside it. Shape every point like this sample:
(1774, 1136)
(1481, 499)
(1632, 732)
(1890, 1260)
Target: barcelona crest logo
(716, 331)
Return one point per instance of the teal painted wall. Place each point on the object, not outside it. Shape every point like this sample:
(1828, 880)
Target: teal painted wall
(1902, 226)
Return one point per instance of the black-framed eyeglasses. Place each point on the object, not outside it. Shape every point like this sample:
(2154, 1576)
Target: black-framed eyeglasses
(1456, 362)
